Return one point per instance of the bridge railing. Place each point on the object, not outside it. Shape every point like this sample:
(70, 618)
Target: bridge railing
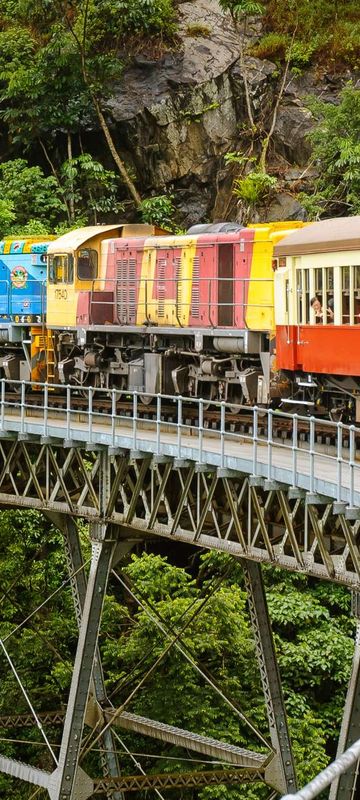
(328, 775)
(271, 440)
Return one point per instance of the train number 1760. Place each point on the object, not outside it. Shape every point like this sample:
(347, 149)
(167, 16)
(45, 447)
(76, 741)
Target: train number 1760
(61, 294)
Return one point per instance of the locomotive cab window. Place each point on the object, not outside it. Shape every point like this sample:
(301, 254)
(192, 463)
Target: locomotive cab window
(61, 268)
(87, 264)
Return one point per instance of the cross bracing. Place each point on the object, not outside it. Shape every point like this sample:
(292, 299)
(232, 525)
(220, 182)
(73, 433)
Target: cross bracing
(240, 514)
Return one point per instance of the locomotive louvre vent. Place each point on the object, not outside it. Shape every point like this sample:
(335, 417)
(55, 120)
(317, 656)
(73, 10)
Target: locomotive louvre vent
(132, 289)
(179, 284)
(126, 289)
(195, 295)
(161, 286)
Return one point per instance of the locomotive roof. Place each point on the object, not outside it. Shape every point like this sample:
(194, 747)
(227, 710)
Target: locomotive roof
(73, 239)
(326, 236)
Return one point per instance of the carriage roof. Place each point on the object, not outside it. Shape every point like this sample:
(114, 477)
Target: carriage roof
(326, 236)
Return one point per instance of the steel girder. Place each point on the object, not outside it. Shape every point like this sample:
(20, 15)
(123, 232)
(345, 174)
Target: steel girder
(283, 764)
(211, 508)
(97, 693)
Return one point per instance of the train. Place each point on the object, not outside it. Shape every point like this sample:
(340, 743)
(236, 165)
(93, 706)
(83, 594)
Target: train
(223, 312)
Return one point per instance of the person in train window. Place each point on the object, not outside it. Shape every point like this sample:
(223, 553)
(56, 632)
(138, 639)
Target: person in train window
(316, 306)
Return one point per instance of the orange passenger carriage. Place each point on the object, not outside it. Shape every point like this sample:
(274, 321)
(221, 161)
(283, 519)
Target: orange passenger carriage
(321, 351)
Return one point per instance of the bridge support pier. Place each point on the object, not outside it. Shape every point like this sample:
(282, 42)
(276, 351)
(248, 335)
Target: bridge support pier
(283, 764)
(344, 787)
(64, 784)
(97, 695)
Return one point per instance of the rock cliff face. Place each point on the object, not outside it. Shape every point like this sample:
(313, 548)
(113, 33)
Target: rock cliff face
(175, 118)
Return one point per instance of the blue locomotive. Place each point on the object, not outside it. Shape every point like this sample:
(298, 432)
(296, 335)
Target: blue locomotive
(23, 280)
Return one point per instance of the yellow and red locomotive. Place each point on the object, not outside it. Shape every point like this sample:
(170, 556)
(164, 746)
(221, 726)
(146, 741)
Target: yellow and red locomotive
(190, 314)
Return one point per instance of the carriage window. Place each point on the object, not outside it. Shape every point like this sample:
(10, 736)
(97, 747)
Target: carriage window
(356, 295)
(324, 293)
(318, 282)
(299, 296)
(328, 299)
(287, 290)
(87, 264)
(345, 295)
(303, 296)
(306, 282)
(61, 268)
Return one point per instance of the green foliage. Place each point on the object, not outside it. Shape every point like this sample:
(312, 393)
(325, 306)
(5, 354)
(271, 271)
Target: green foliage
(41, 202)
(314, 638)
(7, 215)
(219, 639)
(42, 89)
(254, 188)
(197, 30)
(300, 53)
(115, 18)
(35, 198)
(326, 32)
(309, 740)
(336, 153)
(272, 45)
(92, 188)
(58, 63)
(237, 157)
(280, 47)
(242, 8)
(159, 210)
(31, 568)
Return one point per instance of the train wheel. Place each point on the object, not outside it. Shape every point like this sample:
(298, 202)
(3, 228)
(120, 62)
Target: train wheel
(207, 392)
(235, 399)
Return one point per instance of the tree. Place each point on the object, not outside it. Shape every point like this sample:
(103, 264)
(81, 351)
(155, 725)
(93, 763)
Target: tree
(33, 196)
(58, 63)
(335, 142)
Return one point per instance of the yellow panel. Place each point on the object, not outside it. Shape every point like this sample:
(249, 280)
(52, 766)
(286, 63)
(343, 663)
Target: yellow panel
(61, 304)
(185, 283)
(146, 310)
(170, 312)
(62, 298)
(260, 310)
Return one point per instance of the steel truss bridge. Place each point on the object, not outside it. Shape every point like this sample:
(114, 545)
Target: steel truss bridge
(284, 494)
